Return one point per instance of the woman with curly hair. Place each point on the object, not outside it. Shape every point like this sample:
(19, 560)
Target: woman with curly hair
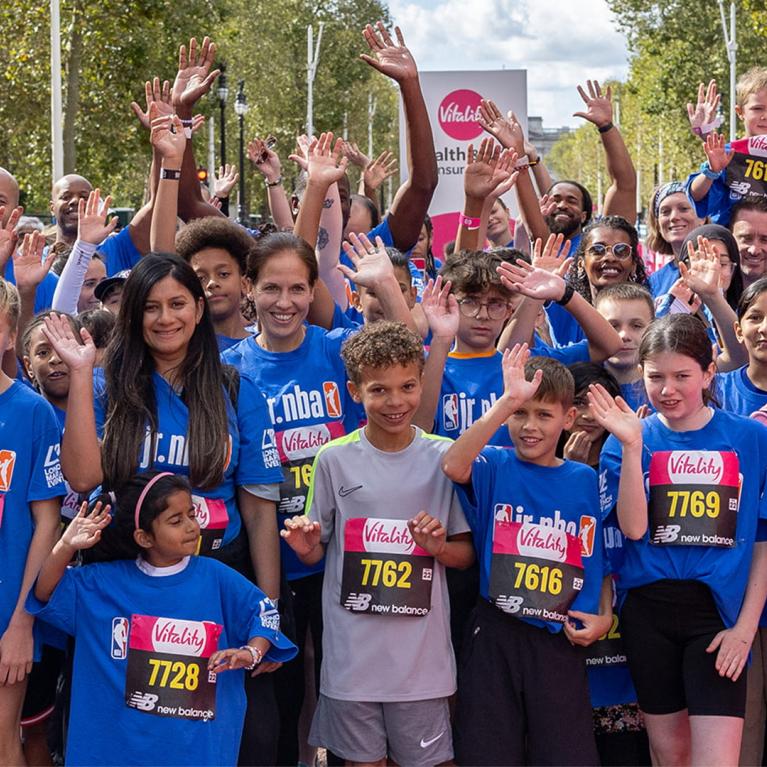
(608, 254)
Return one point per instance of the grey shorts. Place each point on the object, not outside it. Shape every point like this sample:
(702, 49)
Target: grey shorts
(413, 733)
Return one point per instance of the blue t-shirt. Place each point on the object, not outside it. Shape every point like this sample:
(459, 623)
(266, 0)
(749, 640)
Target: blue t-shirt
(635, 394)
(507, 491)
(737, 394)
(729, 450)
(309, 406)
(119, 252)
(718, 202)
(44, 292)
(383, 231)
(29, 471)
(567, 355)
(661, 281)
(253, 456)
(128, 624)
(564, 327)
(470, 386)
(224, 342)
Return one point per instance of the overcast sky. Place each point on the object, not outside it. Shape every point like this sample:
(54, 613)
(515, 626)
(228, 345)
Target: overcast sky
(560, 44)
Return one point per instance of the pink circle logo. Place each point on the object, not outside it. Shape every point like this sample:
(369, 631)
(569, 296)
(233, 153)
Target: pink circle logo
(458, 115)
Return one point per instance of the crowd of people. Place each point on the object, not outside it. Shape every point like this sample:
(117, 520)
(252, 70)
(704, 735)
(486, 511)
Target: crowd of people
(315, 486)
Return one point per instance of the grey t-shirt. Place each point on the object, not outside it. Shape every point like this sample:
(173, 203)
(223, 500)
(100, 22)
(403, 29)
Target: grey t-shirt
(380, 656)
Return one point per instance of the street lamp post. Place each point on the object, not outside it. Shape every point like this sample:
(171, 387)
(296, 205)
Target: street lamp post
(223, 94)
(241, 108)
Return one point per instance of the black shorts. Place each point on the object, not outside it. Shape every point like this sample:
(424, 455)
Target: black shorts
(523, 695)
(667, 626)
(40, 696)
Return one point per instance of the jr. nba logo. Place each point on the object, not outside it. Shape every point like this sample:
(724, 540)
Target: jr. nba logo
(450, 412)
(332, 399)
(119, 638)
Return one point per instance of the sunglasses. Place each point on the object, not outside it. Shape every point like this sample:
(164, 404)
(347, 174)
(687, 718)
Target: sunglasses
(620, 250)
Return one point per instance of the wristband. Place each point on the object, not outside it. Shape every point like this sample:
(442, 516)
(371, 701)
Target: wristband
(170, 175)
(185, 123)
(255, 654)
(276, 182)
(469, 222)
(605, 128)
(705, 169)
(187, 132)
(567, 295)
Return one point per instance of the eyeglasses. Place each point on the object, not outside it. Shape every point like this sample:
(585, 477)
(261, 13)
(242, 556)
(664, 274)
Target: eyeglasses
(470, 307)
(727, 266)
(620, 250)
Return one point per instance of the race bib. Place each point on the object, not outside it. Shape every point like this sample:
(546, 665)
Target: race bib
(746, 175)
(213, 519)
(384, 571)
(536, 570)
(608, 650)
(694, 497)
(167, 672)
(297, 448)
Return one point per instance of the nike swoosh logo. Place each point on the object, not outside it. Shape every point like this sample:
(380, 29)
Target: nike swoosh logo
(343, 491)
(427, 743)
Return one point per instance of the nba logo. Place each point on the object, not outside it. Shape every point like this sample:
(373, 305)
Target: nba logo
(586, 532)
(332, 399)
(7, 461)
(450, 412)
(503, 512)
(119, 638)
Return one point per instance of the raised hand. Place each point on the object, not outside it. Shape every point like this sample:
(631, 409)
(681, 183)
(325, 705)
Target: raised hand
(599, 106)
(578, 447)
(488, 170)
(324, 162)
(84, 531)
(301, 155)
(356, 155)
(547, 205)
(372, 263)
(516, 388)
(389, 58)
(155, 94)
(704, 273)
(716, 152)
(29, 267)
(225, 181)
(428, 533)
(92, 225)
(76, 353)
(379, 170)
(265, 160)
(194, 78)
(615, 415)
(301, 534)
(507, 129)
(703, 117)
(553, 257)
(168, 138)
(8, 236)
(532, 281)
(440, 307)
(689, 300)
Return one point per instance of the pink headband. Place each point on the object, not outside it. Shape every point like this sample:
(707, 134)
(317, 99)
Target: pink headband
(146, 489)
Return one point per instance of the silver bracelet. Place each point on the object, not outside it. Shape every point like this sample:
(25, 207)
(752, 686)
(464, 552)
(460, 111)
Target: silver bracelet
(255, 654)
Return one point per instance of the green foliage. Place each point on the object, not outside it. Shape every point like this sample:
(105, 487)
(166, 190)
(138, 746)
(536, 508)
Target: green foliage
(124, 43)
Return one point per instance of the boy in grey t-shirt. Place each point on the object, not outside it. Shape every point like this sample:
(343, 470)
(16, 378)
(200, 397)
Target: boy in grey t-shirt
(390, 521)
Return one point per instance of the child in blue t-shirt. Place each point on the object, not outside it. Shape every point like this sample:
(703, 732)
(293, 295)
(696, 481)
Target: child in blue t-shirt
(31, 487)
(687, 485)
(154, 631)
(522, 689)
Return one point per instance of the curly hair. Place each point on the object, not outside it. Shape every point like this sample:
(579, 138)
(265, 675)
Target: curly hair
(214, 232)
(473, 272)
(383, 344)
(576, 275)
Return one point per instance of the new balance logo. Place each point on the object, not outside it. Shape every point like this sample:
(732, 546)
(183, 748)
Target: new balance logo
(357, 602)
(666, 533)
(144, 701)
(509, 604)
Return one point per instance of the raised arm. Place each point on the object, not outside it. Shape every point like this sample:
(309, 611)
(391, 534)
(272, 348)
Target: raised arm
(489, 174)
(8, 240)
(516, 390)
(92, 229)
(717, 159)
(193, 81)
(80, 448)
(169, 141)
(376, 172)
(620, 198)
(413, 198)
(268, 164)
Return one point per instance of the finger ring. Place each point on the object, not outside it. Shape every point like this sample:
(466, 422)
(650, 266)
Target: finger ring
(371, 252)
